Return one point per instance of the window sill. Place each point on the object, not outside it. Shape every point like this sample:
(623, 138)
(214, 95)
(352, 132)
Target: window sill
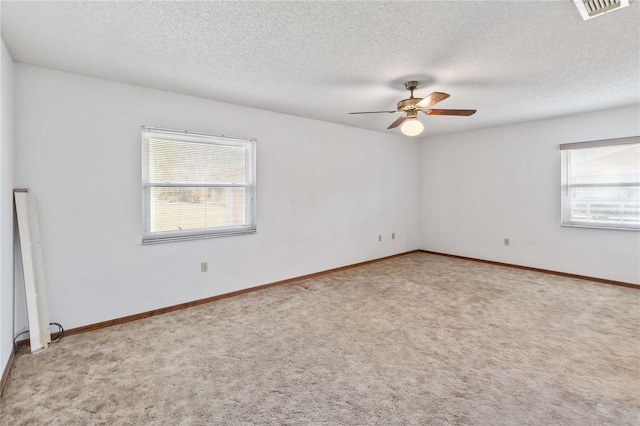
(178, 238)
(596, 226)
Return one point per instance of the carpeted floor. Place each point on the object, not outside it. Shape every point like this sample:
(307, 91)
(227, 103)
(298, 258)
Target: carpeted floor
(415, 340)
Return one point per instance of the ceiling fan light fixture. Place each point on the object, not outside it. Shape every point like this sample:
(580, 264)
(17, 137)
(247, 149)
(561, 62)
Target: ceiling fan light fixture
(412, 127)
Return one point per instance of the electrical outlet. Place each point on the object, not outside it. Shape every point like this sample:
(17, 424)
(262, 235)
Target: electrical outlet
(204, 267)
(507, 242)
(393, 235)
(379, 238)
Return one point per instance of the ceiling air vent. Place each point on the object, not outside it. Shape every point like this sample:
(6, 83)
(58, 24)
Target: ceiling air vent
(592, 8)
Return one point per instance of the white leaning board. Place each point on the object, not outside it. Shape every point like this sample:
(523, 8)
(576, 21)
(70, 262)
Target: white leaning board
(33, 270)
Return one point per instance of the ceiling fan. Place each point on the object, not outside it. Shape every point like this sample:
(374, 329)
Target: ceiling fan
(412, 106)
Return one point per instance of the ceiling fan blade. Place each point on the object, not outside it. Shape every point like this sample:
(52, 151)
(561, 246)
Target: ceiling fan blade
(372, 112)
(432, 99)
(450, 112)
(398, 122)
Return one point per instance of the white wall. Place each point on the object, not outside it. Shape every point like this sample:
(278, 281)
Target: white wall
(483, 186)
(325, 192)
(6, 206)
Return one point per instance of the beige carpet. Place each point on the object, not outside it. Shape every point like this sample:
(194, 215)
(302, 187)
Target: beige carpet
(415, 340)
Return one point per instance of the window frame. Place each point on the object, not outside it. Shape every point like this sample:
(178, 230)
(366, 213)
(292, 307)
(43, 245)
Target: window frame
(250, 227)
(565, 198)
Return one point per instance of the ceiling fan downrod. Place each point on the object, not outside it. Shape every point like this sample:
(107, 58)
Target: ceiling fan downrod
(411, 85)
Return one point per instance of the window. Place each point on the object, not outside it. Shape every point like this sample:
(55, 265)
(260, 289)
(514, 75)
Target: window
(196, 185)
(601, 184)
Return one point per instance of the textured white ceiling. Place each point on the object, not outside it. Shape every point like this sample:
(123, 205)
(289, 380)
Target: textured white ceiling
(513, 61)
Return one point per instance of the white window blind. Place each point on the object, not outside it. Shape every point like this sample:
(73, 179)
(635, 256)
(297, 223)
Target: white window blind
(196, 185)
(601, 183)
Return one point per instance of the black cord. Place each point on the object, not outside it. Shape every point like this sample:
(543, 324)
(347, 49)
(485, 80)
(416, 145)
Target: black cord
(55, 339)
(60, 332)
(15, 344)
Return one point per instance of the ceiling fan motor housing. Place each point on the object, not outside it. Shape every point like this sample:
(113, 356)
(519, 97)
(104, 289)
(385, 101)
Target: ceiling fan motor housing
(408, 104)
